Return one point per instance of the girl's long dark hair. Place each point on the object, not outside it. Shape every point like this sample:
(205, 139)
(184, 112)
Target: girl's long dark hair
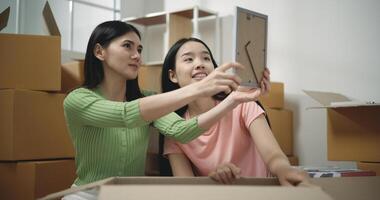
(103, 34)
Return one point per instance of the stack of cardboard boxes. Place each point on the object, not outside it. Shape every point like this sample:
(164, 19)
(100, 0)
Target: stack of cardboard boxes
(36, 153)
(281, 119)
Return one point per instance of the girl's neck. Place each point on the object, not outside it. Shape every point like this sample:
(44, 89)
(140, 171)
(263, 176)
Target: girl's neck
(200, 106)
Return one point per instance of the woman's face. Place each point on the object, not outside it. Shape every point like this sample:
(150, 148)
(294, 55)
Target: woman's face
(123, 55)
(193, 63)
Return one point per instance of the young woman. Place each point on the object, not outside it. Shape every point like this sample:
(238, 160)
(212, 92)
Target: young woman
(109, 116)
(239, 144)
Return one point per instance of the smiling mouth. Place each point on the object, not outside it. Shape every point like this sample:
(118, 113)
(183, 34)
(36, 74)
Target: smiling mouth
(199, 75)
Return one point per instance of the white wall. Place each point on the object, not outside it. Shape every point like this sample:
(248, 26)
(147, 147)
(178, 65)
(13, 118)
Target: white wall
(326, 45)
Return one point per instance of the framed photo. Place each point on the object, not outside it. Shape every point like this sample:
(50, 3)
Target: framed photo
(250, 45)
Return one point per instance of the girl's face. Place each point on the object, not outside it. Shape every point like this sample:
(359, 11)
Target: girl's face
(123, 56)
(193, 63)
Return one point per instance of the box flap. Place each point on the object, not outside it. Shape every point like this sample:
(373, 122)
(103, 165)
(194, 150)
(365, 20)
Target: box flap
(50, 21)
(325, 98)
(335, 100)
(210, 192)
(4, 16)
(58, 195)
(350, 188)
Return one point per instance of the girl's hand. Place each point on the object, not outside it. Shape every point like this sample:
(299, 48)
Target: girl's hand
(220, 81)
(290, 176)
(225, 173)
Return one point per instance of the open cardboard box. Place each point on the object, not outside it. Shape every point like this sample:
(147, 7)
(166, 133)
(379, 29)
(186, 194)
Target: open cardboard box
(31, 61)
(347, 188)
(193, 188)
(353, 128)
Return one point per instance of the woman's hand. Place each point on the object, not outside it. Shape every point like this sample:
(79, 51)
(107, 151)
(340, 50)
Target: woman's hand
(265, 82)
(225, 173)
(291, 176)
(220, 81)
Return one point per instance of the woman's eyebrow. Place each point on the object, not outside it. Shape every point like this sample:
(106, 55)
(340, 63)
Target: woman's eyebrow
(187, 54)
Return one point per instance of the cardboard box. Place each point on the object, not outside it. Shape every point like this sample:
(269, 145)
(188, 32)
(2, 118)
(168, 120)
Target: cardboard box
(72, 75)
(353, 128)
(347, 188)
(31, 180)
(194, 188)
(370, 166)
(282, 127)
(32, 126)
(275, 98)
(30, 61)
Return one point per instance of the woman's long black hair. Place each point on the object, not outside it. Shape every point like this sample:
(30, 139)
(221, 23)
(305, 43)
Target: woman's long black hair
(103, 34)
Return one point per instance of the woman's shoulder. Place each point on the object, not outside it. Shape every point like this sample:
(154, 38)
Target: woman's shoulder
(80, 94)
(80, 91)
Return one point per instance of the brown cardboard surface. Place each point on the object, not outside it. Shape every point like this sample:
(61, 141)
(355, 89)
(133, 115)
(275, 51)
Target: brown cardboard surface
(275, 98)
(208, 192)
(282, 128)
(353, 128)
(30, 62)
(347, 188)
(194, 188)
(353, 133)
(335, 100)
(4, 16)
(31, 180)
(72, 75)
(50, 21)
(370, 166)
(33, 126)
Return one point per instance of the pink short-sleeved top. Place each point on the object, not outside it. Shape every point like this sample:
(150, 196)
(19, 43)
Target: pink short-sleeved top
(228, 141)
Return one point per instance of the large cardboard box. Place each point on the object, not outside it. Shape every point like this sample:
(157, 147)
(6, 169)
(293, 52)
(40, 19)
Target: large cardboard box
(347, 188)
(282, 127)
(194, 188)
(353, 128)
(31, 180)
(31, 61)
(32, 126)
(370, 166)
(72, 75)
(275, 98)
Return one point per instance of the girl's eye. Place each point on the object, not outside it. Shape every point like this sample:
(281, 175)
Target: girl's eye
(207, 58)
(139, 50)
